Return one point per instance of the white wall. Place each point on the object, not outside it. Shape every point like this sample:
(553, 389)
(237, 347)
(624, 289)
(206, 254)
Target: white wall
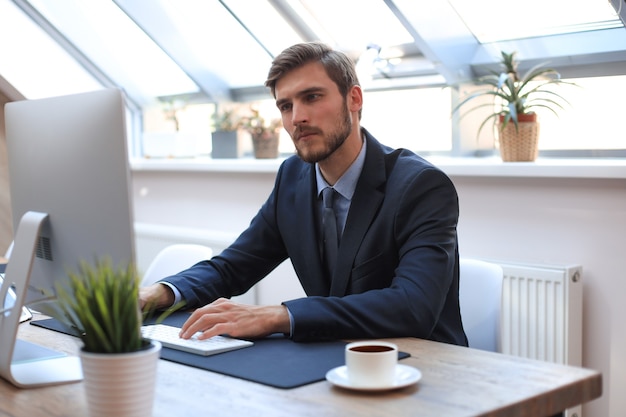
(561, 221)
(544, 219)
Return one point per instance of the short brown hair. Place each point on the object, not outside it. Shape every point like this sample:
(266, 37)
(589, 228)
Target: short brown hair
(339, 67)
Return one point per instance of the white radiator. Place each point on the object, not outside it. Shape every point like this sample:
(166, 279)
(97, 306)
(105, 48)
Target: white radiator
(542, 314)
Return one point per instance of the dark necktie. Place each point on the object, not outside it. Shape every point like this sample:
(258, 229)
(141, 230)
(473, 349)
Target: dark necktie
(329, 225)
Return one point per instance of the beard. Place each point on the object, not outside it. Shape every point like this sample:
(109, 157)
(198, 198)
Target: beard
(332, 140)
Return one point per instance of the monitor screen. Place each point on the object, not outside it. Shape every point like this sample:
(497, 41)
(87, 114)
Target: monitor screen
(68, 158)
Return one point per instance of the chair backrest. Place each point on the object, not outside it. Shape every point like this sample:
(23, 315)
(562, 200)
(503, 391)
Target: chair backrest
(480, 297)
(173, 259)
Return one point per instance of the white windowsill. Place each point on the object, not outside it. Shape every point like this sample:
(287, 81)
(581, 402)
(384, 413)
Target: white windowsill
(541, 168)
(243, 165)
(472, 167)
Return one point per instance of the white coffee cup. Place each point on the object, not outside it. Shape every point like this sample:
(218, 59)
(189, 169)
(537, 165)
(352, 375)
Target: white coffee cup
(371, 364)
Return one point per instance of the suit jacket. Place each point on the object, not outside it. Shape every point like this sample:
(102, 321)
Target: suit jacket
(397, 271)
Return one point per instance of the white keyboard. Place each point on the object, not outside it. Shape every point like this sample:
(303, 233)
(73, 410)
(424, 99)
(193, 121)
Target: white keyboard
(168, 336)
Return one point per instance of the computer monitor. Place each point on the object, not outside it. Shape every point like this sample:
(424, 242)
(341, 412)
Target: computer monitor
(71, 202)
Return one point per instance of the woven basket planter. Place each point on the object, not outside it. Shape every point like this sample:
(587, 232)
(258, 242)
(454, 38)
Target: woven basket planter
(521, 144)
(265, 145)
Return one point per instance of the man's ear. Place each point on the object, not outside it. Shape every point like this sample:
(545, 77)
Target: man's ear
(355, 98)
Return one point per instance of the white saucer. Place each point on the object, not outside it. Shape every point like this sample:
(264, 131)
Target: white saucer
(405, 376)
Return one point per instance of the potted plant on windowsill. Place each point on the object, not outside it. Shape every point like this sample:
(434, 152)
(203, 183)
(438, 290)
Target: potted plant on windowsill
(514, 99)
(228, 139)
(101, 304)
(265, 134)
(170, 139)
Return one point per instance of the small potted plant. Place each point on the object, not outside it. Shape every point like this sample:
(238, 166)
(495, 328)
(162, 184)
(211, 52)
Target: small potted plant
(101, 304)
(227, 138)
(513, 100)
(264, 132)
(172, 139)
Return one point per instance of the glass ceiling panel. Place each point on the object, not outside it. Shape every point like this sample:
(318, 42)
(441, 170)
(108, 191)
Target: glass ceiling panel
(103, 33)
(208, 46)
(354, 28)
(533, 18)
(33, 63)
(267, 25)
(221, 42)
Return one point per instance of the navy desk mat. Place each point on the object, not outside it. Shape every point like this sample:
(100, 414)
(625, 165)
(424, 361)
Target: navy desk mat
(275, 360)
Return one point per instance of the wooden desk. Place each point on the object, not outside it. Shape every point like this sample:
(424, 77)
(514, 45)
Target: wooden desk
(456, 382)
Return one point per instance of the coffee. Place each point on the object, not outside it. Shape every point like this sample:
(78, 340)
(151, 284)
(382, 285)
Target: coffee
(371, 348)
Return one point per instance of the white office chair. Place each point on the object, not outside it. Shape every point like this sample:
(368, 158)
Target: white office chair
(173, 259)
(480, 297)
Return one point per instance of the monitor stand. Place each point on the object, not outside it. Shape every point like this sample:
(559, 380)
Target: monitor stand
(25, 364)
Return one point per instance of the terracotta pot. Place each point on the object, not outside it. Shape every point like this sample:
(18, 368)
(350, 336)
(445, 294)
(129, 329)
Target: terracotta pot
(519, 144)
(265, 145)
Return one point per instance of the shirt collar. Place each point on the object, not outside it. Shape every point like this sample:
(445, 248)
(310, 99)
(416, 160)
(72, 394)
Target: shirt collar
(346, 184)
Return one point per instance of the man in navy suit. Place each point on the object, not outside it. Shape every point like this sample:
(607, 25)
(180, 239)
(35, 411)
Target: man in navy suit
(396, 272)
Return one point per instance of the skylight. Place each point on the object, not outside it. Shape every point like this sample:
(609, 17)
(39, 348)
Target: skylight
(113, 42)
(221, 50)
(354, 28)
(498, 20)
(33, 63)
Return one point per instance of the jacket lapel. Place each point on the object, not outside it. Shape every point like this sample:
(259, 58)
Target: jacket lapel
(308, 252)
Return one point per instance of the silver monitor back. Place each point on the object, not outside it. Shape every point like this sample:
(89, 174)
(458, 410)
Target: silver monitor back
(70, 195)
(68, 157)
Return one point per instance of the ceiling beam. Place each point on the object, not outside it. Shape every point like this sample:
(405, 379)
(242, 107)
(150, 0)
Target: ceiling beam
(620, 8)
(440, 35)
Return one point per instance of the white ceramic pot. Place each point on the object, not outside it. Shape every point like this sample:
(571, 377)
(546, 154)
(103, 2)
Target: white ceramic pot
(121, 385)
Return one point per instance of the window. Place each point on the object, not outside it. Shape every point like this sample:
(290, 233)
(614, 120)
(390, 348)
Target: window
(36, 66)
(419, 119)
(215, 52)
(416, 119)
(555, 17)
(111, 41)
(594, 119)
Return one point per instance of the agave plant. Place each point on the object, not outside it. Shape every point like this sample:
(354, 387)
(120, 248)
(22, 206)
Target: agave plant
(515, 95)
(101, 303)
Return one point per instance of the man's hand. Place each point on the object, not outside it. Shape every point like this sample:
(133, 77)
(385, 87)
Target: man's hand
(155, 296)
(237, 320)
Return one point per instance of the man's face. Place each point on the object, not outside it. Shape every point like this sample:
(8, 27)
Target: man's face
(313, 112)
